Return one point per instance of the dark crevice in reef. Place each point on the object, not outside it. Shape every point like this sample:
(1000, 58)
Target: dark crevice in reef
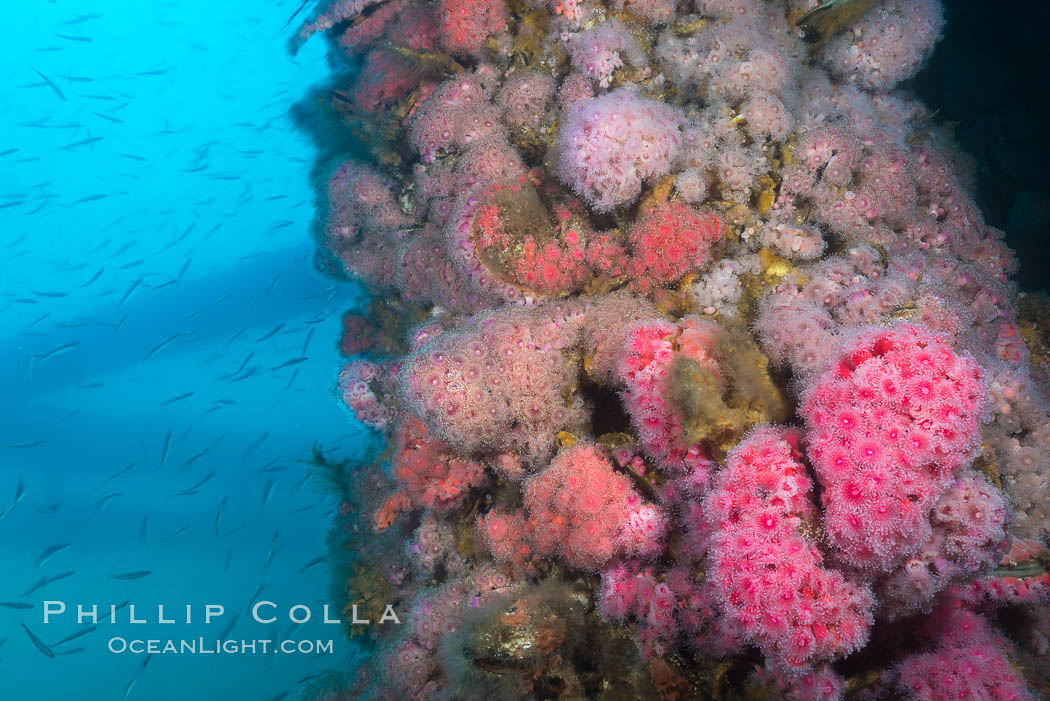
(607, 411)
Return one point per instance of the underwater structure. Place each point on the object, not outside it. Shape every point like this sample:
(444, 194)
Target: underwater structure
(697, 370)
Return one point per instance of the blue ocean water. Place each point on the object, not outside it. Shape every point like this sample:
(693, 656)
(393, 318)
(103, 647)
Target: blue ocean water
(157, 298)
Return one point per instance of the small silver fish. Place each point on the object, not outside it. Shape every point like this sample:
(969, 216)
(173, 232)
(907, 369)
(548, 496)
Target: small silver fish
(44, 581)
(164, 449)
(218, 516)
(312, 563)
(828, 18)
(267, 493)
(273, 550)
(50, 552)
(101, 503)
(79, 634)
(40, 645)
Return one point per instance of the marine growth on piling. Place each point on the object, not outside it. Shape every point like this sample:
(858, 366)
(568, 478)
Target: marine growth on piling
(700, 374)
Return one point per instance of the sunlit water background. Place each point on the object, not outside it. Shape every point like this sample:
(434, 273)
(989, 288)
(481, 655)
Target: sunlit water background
(176, 112)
